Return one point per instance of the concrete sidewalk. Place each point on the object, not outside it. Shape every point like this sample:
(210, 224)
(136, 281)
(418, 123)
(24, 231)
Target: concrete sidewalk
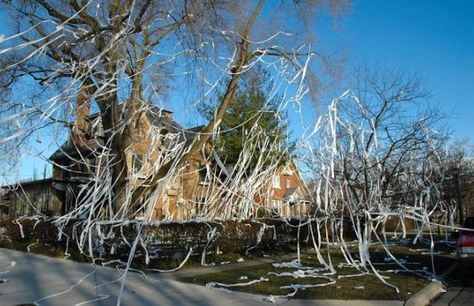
(194, 271)
(35, 277)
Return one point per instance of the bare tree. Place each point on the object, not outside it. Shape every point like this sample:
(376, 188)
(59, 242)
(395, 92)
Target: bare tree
(458, 181)
(391, 124)
(101, 55)
(376, 155)
(386, 128)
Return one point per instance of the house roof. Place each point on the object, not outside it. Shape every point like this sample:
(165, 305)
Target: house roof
(294, 196)
(150, 108)
(157, 117)
(289, 193)
(67, 150)
(25, 184)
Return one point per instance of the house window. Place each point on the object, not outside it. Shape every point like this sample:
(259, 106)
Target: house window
(288, 183)
(276, 181)
(276, 204)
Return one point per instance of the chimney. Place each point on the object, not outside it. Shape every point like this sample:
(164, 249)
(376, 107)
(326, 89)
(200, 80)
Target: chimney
(80, 129)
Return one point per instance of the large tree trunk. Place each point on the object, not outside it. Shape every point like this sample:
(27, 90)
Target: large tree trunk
(110, 115)
(244, 56)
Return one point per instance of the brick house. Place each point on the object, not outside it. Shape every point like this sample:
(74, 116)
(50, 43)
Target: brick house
(75, 162)
(286, 193)
(182, 198)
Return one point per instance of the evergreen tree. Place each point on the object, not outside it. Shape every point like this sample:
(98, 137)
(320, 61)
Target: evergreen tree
(252, 107)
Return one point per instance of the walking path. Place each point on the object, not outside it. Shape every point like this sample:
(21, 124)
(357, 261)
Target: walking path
(194, 271)
(52, 281)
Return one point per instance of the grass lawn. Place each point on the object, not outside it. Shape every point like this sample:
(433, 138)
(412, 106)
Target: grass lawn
(360, 287)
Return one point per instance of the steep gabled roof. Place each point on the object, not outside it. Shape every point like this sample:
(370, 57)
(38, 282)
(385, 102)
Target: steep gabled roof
(68, 151)
(157, 117)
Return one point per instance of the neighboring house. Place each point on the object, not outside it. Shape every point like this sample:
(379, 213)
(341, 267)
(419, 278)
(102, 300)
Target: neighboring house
(29, 198)
(286, 193)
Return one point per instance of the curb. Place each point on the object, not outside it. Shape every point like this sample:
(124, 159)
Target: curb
(426, 294)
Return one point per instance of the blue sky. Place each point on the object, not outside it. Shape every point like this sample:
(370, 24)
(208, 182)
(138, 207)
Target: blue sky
(434, 39)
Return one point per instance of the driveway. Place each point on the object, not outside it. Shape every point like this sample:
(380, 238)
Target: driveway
(460, 291)
(52, 281)
(456, 296)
